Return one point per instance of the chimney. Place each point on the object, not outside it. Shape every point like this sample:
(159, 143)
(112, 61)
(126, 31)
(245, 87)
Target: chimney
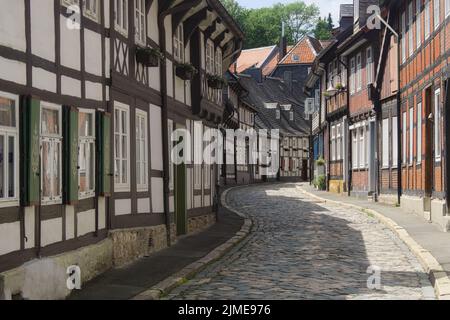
(283, 43)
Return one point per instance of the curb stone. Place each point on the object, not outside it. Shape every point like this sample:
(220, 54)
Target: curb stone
(164, 287)
(437, 275)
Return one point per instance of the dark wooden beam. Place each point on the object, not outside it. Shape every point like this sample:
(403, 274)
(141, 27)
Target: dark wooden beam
(192, 23)
(178, 17)
(148, 5)
(218, 40)
(210, 30)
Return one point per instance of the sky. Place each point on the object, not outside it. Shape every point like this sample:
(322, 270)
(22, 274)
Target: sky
(326, 6)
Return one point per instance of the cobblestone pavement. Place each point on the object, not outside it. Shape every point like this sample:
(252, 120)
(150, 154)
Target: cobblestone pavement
(300, 248)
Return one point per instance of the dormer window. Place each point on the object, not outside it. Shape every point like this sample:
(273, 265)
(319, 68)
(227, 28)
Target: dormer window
(139, 22)
(121, 16)
(178, 44)
(296, 57)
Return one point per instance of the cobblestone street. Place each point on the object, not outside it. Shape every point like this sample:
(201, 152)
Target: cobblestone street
(303, 249)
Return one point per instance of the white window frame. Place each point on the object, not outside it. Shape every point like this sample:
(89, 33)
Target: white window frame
(404, 140)
(92, 10)
(369, 65)
(436, 14)
(355, 153)
(178, 43)
(333, 143)
(338, 142)
(362, 147)
(427, 19)
(352, 75)
(385, 144)
(87, 140)
(419, 24)
(69, 3)
(140, 24)
(358, 72)
(394, 142)
(419, 133)
(198, 154)
(437, 125)
(122, 186)
(410, 29)
(411, 136)
(121, 17)
(403, 40)
(53, 139)
(8, 132)
(142, 161)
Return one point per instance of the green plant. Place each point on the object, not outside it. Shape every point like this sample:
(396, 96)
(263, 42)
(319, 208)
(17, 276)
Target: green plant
(340, 87)
(320, 162)
(150, 57)
(216, 82)
(186, 71)
(320, 183)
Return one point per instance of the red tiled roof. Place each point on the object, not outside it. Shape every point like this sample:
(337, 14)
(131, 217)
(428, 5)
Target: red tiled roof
(253, 58)
(306, 50)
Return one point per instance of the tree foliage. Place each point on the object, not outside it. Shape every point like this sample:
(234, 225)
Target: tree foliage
(262, 27)
(324, 28)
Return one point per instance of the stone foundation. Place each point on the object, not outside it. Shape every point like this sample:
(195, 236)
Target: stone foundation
(132, 244)
(197, 224)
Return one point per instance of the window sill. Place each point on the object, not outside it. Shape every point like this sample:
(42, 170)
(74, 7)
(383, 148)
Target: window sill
(86, 196)
(118, 188)
(7, 203)
(51, 202)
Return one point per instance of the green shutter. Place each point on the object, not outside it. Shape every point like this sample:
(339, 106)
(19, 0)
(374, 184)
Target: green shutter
(30, 151)
(104, 153)
(70, 155)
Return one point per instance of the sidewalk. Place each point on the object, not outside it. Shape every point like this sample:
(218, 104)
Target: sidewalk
(128, 282)
(428, 236)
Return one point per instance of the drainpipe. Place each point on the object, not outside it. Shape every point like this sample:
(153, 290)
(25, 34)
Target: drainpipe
(165, 134)
(399, 125)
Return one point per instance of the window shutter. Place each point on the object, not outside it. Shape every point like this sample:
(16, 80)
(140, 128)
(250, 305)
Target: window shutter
(70, 155)
(30, 151)
(103, 124)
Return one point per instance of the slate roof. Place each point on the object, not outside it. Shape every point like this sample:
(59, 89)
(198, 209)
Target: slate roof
(273, 90)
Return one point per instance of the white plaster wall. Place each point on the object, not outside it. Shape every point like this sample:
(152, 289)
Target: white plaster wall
(70, 86)
(13, 71)
(29, 227)
(170, 75)
(44, 80)
(93, 52)
(51, 231)
(70, 46)
(12, 24)
(106, 14)
(9, 237)
(172, 204)
(154, 79)
(43, 29)
(94, 91)
(143, 205)
(70, 222)
(197, 201)
(157, 195)
(152, 22)
(169, 38)
(85, 222)
(101, 213)
(156, 137)
(107, 58)
(123, 207)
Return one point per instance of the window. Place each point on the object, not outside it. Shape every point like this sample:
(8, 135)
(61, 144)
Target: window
(121, 147)
(295, 57)
(291, 116)
(178, 43)
(330, 75)
(403, 44)
(419, 133)
(355, 149)
(418, 24)
(338, 142)
(218, 62)
(358, 73)
(333, 143)
(139, 22)
(209, 57)
(86, 153)
(51, 154)
(170, 131)
(91, 9)
(411, 136)
(427, 19)
(447, 8)
(410, 29)
(121, 16)
(394, 142)
(9, 144)
(141, 150)
(362, 147)
(404, 124)
(385, 144)
(70, 2)
(352, 76)
(278, 114)
(198, 154)
(437, 17)
(369, 65)
(437, 124)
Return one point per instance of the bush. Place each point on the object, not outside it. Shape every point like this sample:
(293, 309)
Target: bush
(320, 183)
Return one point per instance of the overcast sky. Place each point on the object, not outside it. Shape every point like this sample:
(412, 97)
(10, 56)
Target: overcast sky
(326, 6)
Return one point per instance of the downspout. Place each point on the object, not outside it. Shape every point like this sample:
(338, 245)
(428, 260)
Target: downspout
(399, 125)
(165, 128)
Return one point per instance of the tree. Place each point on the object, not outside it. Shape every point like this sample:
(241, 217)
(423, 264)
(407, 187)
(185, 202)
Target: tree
(330, 22)
(236, 11)
(300, 19)
(322, 30)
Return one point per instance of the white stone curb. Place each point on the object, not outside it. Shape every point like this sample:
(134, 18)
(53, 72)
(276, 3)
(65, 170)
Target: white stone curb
(177, 279)
(436, 273)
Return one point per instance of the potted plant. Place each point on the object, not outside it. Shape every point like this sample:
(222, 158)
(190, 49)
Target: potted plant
(326, 94)
(340, 87)
(185, 71)
(216, 82)
(149, 57)
(320, 162)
